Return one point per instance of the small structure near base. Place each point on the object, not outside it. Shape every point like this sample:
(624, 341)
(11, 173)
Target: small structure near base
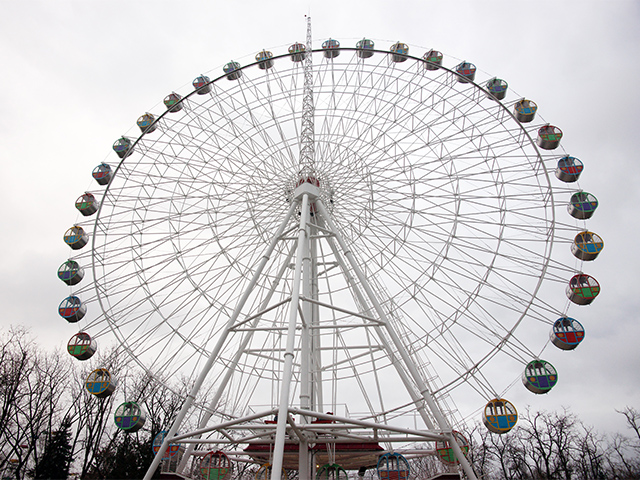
(215, 466)
(446, 454)
(393, 466)
(331, 471)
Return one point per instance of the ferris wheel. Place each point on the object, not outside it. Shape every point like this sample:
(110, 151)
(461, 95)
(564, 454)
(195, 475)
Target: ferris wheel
(359, 230)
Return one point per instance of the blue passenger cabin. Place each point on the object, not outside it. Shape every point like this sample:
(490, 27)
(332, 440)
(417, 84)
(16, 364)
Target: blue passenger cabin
(264, 59)
(466, 72)
(76, 237)
(102, 173)
(499, 415)
(100, 383)
(146, 123)
(202, 85)
(587, 245)
(567, 333)
(399, 52)
(569, 169)
(72, 309)
(525, 110)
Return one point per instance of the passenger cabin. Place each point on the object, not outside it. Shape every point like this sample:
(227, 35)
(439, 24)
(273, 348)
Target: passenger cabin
(331, 471)
(76, 237)
(72, 309)
(445, 452)
(146, 123)
(82, 346)
(582, 289)
(331, 48)
(100, 383)
(232, 69)
(70, 272)
(364, 48)
(215, 465)
(129, 417)
(539, 376)
(264, 59)
(173, 102)
(202, 85)
(466, 72)
(587, 246)
(567, 333)
(123, 147)
(549, 137)
(172, 450)
(497, 88)
(433, 60)
(569, 169)
(582, 205)
(399, 52)
(525, 110)
(102, 174)
(297, 52)
(87, 204)
(393, 466)
(499, 415)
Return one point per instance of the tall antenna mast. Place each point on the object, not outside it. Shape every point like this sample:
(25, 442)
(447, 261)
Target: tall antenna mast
(307, 148)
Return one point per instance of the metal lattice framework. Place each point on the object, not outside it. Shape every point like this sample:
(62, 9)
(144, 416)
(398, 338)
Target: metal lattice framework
(316, 236)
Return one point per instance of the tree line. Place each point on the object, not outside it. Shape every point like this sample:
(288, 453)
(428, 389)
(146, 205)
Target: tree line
(52, 428)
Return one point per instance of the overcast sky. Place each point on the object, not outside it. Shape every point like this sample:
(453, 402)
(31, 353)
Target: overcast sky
(77, 74)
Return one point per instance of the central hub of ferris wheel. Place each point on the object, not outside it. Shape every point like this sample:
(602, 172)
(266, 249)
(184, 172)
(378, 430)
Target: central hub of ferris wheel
(310, 186)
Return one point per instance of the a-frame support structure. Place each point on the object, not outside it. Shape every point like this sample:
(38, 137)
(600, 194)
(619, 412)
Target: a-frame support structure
(301, 423)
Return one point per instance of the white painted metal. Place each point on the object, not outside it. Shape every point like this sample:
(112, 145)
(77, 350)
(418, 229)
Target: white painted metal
(427, 249)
